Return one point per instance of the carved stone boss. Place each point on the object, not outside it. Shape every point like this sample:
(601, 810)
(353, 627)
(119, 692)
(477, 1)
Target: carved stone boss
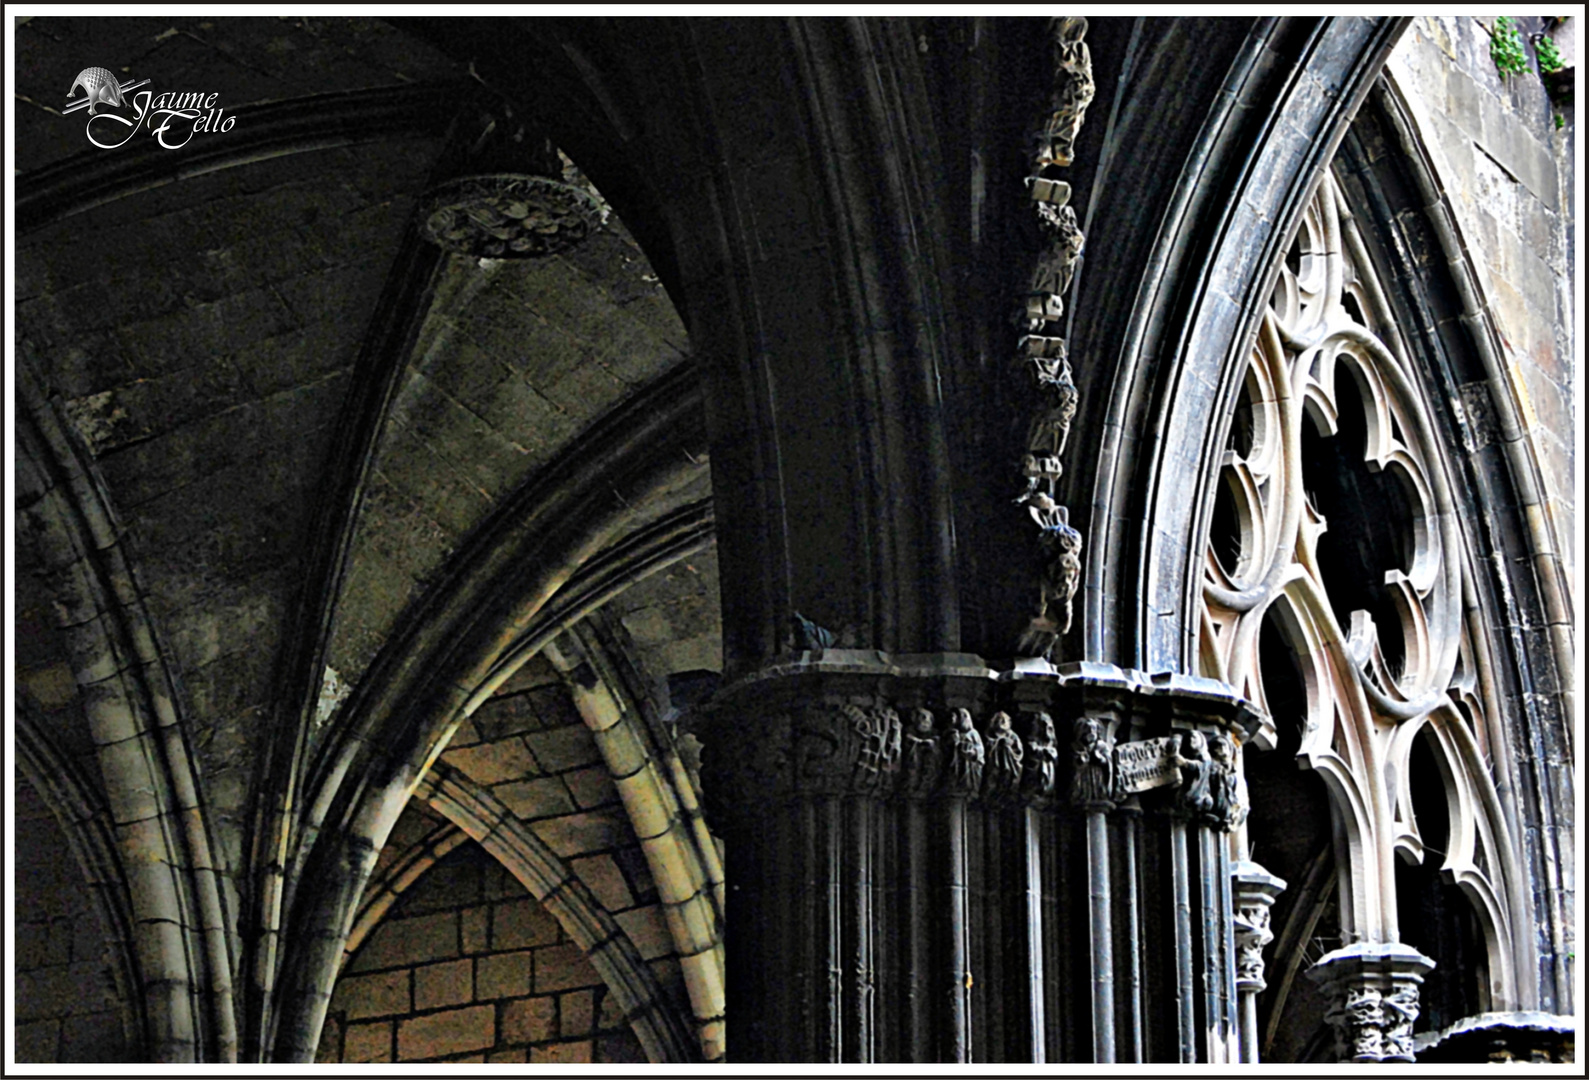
(1042, 353)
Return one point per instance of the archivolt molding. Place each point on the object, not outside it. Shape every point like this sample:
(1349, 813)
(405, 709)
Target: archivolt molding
(74, 798)
(1328, 363)
(156, 810)
(661, 1030)
(664, 811)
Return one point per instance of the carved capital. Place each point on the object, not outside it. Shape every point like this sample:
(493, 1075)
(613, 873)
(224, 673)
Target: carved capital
(1255, 891)
(1373, 996)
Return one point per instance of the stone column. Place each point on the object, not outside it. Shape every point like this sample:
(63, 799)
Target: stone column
(1373, 994)
(1256, 891)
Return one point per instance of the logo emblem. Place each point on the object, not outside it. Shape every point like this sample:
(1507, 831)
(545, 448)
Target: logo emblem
(100, 87)
(172, 117)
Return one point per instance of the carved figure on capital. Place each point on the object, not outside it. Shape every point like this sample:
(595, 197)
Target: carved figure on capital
(967, 755)
(1042, 757)
(922, 755)
(1223, 783)
(1196, 768)
(1005, 753)
(1092, 782)
(876, 736)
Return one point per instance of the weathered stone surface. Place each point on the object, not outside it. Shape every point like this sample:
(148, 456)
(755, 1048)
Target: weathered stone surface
(522, 924)
(503, 975)
(404, 941)
(374, 995)
(563, 1053)
(563, 967)
(529, 1020)
(453, 1032)
(436, 985)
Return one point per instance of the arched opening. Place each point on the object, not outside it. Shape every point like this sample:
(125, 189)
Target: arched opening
(1435, 915)
(1290, 834)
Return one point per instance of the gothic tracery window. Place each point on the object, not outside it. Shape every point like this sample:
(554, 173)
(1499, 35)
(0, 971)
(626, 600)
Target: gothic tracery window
(1333, 597)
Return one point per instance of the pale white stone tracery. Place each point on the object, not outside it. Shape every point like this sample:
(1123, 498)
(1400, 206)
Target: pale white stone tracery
(1371, 689)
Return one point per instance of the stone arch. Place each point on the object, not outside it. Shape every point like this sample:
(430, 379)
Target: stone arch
(1388, 686)
(549, 879)
(154, 799)
(75, 801)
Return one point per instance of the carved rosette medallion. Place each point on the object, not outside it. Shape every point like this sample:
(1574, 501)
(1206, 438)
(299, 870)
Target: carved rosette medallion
(508, 216)
(1042, 353)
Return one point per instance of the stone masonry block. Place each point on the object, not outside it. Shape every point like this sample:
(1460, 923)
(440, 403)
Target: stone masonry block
(368, 1042)
(475, 927)
(503, 975)
(529, 1020)
(576, 834)
(539, 798)
(521, 924)
(456, 1032)
(648, 930)
(493, 763)
(385, 994)
(577, 1013)
(602, 876)
(561, 1053)
(563, 967)
(407, 941)
(450, 983)
(564, 748)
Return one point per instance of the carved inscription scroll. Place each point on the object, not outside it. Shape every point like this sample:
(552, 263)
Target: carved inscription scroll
(1148, 764)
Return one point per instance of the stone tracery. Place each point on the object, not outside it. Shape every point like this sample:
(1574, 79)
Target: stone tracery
(1333, 513)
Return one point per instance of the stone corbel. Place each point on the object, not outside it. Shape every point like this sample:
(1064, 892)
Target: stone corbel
(1373, 994)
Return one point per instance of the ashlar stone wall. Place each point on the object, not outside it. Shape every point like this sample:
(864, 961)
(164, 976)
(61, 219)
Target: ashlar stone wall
(65, 993)
(1508, 171)
(469, 967)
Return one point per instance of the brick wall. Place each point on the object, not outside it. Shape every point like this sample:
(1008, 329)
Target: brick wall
(65, 994)
(468, 966)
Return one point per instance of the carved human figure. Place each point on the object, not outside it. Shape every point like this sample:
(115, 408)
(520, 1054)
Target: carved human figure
(1092, 782)
(1056, 267)
(923, 756)
(1222, 782)
(1042, 755)
(1193, 761)
(877, 736)
(1004, 756)
(1061, 547)
(1050, 428)
(1073, 91)
(966, 754)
